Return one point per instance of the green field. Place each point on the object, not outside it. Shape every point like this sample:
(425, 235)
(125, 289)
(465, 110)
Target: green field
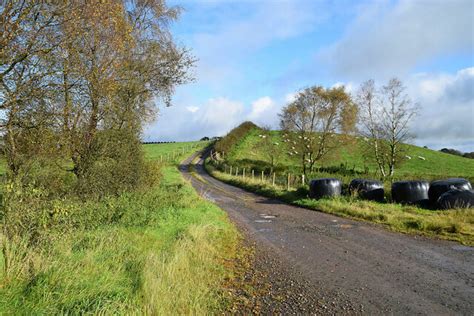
(247, 153)
(161, 252)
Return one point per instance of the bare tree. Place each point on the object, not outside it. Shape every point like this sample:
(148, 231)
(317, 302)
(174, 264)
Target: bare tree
(312, 121)
(385, 117)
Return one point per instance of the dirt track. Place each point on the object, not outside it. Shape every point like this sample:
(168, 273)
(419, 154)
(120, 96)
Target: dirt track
(318, 263)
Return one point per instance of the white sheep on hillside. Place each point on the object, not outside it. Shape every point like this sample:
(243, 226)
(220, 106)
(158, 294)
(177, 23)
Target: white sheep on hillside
(407, 157)
(422, 158)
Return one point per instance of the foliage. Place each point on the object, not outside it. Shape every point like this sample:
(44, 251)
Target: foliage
(312, 120)
(70, 71)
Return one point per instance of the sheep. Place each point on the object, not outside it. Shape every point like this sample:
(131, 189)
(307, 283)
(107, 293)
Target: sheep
(407, 157)
(422, 158)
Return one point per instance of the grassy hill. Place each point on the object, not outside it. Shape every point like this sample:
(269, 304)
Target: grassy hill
(350, 157)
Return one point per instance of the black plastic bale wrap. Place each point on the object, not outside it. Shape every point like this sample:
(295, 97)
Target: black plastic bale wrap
(441, 186)
(456, 198)
(327, 187)
(367, 189)
(410, 192)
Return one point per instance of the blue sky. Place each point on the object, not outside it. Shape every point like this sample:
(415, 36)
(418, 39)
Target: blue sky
(253, 55)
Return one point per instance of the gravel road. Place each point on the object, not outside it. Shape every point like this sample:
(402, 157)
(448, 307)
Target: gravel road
(317, 263)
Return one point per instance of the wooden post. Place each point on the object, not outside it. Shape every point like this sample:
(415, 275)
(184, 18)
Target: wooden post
(161, 158)
(302, 180)
(236, 171)
(230, 170)
(288, 182)
(243, 174)
(253, 174)
(273, 181)
(262, 175)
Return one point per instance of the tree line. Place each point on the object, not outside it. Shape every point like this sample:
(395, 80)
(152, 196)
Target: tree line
(78, 79)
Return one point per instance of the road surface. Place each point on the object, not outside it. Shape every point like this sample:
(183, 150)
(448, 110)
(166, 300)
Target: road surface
(319, 263)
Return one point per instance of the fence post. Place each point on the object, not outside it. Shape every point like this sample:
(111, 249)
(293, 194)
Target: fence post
(288, 182)
(273, 181)
(230, 170)
(262, 175)
(243, 174)
(236, 171)
(253, 174)
(302, 180)
(161, 158)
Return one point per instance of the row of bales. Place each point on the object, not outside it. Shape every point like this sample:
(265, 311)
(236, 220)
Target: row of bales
(439, 194)
(153, 143)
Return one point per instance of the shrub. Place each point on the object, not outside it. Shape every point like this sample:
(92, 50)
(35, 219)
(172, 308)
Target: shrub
(116, 164)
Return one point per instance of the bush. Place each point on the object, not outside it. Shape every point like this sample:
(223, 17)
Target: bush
(116, 164)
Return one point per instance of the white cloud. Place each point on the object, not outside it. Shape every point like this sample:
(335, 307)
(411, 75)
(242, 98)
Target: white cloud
(261, 107)
(387, 39)
(446, 118)
(214, 118)
(248, 27)
(192, 109)
(290, 97)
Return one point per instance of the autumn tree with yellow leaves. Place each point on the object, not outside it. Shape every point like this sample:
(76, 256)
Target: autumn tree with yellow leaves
(79, 79)
(312, 123)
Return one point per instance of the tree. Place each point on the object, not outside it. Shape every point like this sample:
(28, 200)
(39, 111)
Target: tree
(385, 117)
(312, 121)
(28, 37)
(75, 69)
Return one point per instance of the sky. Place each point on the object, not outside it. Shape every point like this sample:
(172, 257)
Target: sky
(254, 55)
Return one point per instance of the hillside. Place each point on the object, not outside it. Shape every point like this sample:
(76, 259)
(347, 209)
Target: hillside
(349, 158)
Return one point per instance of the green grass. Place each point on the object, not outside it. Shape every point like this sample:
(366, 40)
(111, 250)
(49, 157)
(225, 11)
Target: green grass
(437, 165)
(159, 252)
(457, 225)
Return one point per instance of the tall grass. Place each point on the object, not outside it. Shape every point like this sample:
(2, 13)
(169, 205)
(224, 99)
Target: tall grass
(157, 252)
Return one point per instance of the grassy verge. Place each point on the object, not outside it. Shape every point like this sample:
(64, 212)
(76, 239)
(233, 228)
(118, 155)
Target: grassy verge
(164, 251)
(455, 225)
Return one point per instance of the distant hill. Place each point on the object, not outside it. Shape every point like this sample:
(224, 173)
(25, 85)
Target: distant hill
(457, 153)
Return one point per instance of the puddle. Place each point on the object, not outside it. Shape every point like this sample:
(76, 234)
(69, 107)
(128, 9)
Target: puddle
(334, 220)
(344, 226)
(463, 248)
(208, 197)
(262, 230)
(267, 216)
(263, 221)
